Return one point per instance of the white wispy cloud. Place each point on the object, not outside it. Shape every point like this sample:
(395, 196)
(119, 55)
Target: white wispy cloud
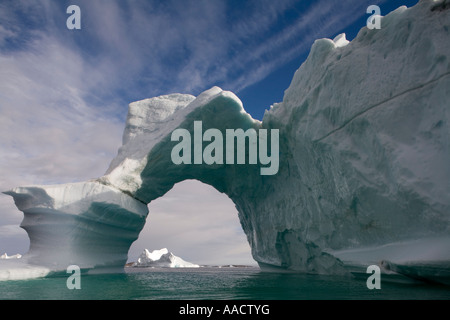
(45, 119)
(322, 19)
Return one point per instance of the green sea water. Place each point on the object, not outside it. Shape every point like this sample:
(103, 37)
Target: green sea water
(239, 283)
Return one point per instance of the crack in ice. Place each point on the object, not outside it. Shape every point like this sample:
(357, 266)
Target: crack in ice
(421, 86)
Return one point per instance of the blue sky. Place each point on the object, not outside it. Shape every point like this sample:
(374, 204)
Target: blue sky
(64, 93)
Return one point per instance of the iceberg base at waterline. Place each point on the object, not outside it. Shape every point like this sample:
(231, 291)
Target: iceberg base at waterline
(21, 269)
(418, 260)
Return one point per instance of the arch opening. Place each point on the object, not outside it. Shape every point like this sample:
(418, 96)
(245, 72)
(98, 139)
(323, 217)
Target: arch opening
(197, 223)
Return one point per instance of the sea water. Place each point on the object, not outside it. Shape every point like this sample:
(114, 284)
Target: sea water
(230, 283)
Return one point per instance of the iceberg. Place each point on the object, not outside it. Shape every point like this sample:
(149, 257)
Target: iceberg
(364, 159)
(162, 259)
(14, 256)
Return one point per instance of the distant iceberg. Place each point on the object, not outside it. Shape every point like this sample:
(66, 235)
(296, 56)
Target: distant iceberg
(161, 259)
(14, 256)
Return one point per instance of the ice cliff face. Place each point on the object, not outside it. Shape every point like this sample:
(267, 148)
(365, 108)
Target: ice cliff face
(364, 160)
(366, 130)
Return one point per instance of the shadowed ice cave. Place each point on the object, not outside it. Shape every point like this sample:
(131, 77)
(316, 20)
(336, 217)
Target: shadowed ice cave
(363, 163)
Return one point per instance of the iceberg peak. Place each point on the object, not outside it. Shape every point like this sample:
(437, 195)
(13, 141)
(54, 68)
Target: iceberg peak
(340, 40)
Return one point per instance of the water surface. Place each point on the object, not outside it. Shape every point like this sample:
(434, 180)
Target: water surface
(216, 284)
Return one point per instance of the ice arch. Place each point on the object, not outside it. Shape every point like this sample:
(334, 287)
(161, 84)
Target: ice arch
(92, 224)
(363, 173)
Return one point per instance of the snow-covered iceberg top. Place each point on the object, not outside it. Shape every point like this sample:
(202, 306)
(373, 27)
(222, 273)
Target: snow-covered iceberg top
(162, 259)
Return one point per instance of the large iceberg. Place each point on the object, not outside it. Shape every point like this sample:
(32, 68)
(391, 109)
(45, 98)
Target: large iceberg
(364, 154)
